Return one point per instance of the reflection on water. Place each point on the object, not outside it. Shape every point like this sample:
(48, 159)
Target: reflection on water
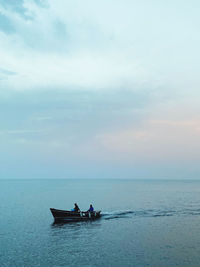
(74, 230)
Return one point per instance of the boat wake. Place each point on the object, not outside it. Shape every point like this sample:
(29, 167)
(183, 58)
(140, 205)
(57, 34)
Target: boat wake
(149, 213)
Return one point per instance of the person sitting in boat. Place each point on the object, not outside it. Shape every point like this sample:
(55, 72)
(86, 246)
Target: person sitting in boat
(76, 208)
(91, 209)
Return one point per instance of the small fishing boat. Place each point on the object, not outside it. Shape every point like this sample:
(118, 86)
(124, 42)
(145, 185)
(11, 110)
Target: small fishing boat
(72, 216)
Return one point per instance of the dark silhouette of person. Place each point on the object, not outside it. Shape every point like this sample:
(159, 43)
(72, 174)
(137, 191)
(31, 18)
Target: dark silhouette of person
(91, 209)
(76, 207)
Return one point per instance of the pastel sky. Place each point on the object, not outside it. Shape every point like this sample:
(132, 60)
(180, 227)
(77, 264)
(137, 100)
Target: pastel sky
(100, 89)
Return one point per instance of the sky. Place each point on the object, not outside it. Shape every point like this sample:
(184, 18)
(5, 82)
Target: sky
(99, 89)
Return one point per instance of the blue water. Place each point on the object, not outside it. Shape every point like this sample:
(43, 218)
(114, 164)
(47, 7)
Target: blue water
(144, 223)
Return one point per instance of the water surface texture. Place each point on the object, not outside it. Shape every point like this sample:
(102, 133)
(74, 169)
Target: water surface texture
(144, 223)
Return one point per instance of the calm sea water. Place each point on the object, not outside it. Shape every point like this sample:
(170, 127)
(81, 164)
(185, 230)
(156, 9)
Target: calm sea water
(144, 223)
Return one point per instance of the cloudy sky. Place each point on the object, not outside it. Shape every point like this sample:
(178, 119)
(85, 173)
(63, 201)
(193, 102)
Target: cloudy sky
(100, 89)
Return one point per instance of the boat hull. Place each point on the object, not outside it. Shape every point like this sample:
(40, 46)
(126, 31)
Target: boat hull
(71, 216)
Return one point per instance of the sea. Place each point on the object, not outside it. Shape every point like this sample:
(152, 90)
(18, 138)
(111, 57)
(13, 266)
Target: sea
(143, 223)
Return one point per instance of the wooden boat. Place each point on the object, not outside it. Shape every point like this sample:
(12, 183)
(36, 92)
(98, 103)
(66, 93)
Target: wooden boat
(72, 216)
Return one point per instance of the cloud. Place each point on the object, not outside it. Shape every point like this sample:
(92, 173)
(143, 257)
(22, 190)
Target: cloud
(20, 132)
(84, 44)
(107, 82)
(190, 123)
(77, 113)
(153, 142)
(5, 74)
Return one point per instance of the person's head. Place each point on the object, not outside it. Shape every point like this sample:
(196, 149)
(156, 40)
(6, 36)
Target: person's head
(90, 205)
